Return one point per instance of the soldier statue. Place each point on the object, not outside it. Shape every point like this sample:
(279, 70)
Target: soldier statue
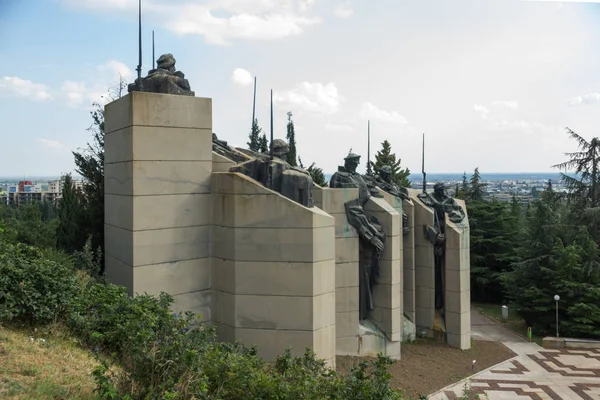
(442, 204)
(370, 231)
(292, 182)
(384, 181)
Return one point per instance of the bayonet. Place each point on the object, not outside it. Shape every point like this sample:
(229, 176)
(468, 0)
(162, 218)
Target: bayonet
(369, 171)
(139, 67)
(423, 167)
(153, 58)
(253, 106)
(270, 177)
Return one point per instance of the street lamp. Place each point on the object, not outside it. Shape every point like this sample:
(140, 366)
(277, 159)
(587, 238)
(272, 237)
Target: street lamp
(556, 299)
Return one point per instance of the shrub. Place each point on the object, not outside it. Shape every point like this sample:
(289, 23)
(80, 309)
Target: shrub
(35, 286)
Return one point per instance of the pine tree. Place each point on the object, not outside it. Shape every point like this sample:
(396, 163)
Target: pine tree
(291, 139)
(476, 187)
(316, 173)
(90, 165)
(255, 140)
(386, 157)
(263, 144)
(69, 234)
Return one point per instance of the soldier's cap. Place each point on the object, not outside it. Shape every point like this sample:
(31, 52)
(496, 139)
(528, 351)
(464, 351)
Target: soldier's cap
(386, 169)
(280, 145)
(439, 185)
(352, 156)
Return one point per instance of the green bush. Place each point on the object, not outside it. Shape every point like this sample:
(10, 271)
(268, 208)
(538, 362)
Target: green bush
(35, 286)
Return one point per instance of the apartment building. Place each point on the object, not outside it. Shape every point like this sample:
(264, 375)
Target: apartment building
(26, 192)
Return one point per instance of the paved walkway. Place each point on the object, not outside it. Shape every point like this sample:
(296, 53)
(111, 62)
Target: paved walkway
(535, 373)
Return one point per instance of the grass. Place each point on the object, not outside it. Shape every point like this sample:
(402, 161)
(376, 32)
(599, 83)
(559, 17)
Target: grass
(514, 322)
(52, 368)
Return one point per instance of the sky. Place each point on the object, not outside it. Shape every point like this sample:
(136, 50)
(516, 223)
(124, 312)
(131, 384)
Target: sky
(492, 83)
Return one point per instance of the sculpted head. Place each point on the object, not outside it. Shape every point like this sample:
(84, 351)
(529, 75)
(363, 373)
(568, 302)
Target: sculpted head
(351, 162)
(386, 173)
(439, 189)
(280, 148)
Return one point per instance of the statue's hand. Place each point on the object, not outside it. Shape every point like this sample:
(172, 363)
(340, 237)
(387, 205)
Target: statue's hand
(375, 241)
(440, 238)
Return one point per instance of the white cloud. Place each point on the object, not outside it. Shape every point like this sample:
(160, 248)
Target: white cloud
(344, 10)
(242, 77)
(587, 99)
(481, 110)
(218, 21)
(338, 127)
(53, 144)
(16, 86)
(311, 97)
(117, 68)
(508, 104)
(370, 111)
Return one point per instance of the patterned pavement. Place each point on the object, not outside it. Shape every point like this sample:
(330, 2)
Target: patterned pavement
(535, 373)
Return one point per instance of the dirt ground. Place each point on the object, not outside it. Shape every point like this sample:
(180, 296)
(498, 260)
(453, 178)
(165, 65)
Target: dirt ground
(429, 366)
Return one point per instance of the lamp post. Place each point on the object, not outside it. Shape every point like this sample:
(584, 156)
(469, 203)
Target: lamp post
(556, 299)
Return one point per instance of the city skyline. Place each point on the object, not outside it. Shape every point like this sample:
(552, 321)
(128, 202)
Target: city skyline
(493, 84)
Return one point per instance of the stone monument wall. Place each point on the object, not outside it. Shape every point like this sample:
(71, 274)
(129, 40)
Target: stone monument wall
(346, 266)
(273, 270)
(387, 293)
(458, 282)
(158, 206)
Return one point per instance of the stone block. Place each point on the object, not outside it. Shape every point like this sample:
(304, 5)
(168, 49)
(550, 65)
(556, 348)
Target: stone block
(458, 280)
(273, 312)
(463, 342)
(392, 249)
(171, 211)
(284, 278)
(346, 299)
(456, 239)
(324, 342)
(273, 245)
(390, 271)
(424, 296)
(157, 143)
(342, 228)
(347, 345)
(223, 308)
(271, 343)
(554, 343)
(458, 302)
(196, 302)
(158, 246)
(156, 109)
(458, 323)
(178, 277)
(424, 256)
(346, 250)
(223, 275)
(118, 211)
(332, 200)
(346, 274)
(387, 296)
(142, 178)
(225, 333)
(220, 163)
(424, 277)
(269, 210)
(346, 323)
(118, 273)
(236, 183)
(457, 260)
(424, 318)
(389, 321)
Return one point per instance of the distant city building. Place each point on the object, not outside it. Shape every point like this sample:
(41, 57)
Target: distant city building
(26, 192)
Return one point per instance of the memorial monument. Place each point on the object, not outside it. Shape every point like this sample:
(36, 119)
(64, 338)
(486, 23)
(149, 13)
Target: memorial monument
(384, 181)
(164, 79)
(371, 235)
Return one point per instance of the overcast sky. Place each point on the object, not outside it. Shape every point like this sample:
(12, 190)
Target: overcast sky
(493, 84)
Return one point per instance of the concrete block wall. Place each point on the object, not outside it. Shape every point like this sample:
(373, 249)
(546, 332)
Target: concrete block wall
(388, 293)
(458, 283)
(158, 206)
(408, 253)
(220, 163)
(346, 267)
(424, 267)
(273, 270)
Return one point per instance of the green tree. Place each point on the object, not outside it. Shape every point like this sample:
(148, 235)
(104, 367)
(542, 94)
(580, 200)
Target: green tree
(89, 164)
(316, 173)
(264, 144)
(254, 143)
(70, 234)
(476, 190)
(386, 157)
(28, 225)
(291, 139)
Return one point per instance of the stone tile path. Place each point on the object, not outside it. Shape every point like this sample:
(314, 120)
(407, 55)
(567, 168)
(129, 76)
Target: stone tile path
(535, 373)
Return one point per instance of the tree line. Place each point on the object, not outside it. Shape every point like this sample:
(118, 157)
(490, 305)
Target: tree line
(524, 255)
